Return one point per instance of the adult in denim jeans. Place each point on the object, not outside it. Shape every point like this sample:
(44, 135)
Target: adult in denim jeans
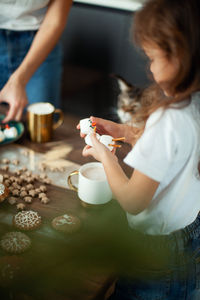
(30, 58)
(162, 197)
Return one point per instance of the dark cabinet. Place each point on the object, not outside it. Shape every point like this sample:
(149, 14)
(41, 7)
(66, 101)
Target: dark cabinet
(97, 41)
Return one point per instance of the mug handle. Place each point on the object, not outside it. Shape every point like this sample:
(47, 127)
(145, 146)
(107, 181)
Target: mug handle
(61, 118)
(69, 181)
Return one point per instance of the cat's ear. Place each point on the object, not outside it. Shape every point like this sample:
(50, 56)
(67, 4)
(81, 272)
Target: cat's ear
(123, 85)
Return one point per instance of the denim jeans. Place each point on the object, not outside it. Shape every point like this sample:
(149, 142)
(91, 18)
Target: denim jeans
(45, 83)
(179, 280)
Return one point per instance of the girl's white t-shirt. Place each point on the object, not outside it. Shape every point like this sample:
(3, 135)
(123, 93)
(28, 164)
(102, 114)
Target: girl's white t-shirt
(22, 14)
(169, 152)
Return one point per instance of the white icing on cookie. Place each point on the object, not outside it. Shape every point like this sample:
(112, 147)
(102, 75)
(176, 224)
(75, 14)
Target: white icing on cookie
(65, 220)
(106, 140)
(15, 242)
(27, 219)
(86, 126)
(88, 139)
(10, 132)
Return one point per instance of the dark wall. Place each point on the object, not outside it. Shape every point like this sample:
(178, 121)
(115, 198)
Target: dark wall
(97, 42)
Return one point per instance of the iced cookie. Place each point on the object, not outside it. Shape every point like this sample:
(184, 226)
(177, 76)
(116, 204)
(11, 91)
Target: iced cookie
(10, 132)
(15, 242)
(66, 223)
(27, 220)
(86, 126)
(107, 140)
(88, 139)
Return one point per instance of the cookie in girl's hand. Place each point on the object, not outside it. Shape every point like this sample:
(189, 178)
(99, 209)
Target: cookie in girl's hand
(107, 140)
(104, 139)
(86, 126)
(88, 139)
(67, 223)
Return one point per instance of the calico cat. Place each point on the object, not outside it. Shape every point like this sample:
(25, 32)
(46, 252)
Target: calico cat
(131, 99)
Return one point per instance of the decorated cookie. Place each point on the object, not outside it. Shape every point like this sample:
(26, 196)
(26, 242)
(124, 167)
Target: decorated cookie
(44, 200)
(27, 220)
(66, 223)
(12, 200)
(10, 132)
(15, 242)
(43, 188)
(88, 139)
(107, 140)
(20, 206)
(86, 126)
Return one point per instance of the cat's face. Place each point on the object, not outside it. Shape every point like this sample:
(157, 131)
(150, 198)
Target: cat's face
(128, 101)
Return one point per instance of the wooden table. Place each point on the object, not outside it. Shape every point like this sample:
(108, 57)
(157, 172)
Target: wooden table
(60, 266)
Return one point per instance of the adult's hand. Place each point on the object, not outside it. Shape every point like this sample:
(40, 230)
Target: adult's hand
(14, 94)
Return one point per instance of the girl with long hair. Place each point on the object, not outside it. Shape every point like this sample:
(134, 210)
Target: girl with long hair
(162, 197)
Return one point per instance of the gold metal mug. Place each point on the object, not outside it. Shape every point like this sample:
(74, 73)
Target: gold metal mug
(40, 124)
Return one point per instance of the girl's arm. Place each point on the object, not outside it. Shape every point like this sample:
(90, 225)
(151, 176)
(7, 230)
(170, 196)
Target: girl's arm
(134, 194)
(46, 38)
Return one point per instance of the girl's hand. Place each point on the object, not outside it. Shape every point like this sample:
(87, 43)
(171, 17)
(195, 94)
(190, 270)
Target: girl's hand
(98, 151)
(114, 129)
(106, 127)
(15, 95)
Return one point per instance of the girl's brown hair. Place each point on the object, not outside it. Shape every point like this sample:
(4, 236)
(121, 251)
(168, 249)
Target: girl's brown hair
(174, 26)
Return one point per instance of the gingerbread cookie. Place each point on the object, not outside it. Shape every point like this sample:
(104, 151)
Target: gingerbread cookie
(15, 242)
(66, 223)
(21, 206)
(27, 220)
(12, 200)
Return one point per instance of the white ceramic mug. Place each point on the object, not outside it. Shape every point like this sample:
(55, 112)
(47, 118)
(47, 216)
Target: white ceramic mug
(93, 187)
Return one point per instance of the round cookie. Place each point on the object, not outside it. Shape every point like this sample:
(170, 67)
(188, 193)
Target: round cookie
(27, 220)
(15, 242)
(66, 223)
